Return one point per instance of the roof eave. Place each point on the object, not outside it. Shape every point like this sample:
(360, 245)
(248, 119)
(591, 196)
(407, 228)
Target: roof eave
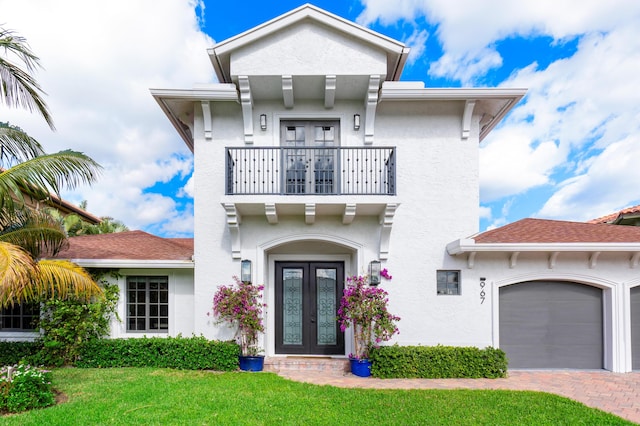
(131, 264)
(469, 246)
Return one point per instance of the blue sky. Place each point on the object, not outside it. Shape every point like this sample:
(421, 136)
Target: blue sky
(570, 150)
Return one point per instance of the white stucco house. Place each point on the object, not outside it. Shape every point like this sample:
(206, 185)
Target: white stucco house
(312, 159)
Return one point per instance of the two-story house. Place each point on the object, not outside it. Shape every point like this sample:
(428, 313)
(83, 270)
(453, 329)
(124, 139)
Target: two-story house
(312, 161)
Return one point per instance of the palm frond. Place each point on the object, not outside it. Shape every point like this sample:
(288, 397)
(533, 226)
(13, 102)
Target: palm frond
(17, 271)
(45, 174)
(61, 278)
(36, 231)
(16, 145)
(17, 87)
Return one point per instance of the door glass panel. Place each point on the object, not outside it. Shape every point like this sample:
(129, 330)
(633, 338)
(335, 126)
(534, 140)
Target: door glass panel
(323, 168)
(326, 287)
(292, 306)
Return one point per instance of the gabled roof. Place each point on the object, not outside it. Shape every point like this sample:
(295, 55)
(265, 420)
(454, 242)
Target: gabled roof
(126, 248)
(220, 54)
(540, 235)
(630, 213)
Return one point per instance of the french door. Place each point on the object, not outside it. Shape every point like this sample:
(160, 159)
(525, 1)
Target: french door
(310, 156)
(307, 299)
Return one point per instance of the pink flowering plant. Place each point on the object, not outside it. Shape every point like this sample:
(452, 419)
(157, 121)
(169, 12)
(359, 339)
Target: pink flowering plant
(240, 306)
(365, 309)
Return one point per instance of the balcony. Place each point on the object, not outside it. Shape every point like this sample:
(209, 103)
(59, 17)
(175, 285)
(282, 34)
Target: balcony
(311, 171)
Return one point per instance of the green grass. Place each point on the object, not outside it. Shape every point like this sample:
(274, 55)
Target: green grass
(144, 396)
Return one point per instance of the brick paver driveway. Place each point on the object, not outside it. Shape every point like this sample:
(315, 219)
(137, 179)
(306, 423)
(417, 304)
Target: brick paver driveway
(616, 393)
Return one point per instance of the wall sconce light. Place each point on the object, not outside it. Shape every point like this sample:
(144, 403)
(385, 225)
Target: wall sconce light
(374, 272)
(356, 121)
(245, 271)
(263, 121)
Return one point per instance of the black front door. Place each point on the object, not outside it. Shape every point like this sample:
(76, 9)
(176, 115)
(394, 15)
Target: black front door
(307, 300)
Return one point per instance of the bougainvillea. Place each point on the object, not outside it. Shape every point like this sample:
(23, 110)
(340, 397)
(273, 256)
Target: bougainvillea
(240, 306)
(365, 309)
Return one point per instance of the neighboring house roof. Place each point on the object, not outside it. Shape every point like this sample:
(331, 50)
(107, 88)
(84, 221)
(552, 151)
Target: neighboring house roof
(128, 249)
(628, 216)
(67, 208)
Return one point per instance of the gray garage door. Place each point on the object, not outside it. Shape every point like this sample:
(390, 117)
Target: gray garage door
(635, 328)
(546, 324)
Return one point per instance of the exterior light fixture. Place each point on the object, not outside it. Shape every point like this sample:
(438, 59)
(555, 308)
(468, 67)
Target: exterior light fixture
(263, 121)
(374, 272)
(245, 271)
(356, 121)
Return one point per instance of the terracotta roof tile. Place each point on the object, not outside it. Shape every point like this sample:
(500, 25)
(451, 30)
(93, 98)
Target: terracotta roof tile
(129, 245)
(613, 216)
(556, 231)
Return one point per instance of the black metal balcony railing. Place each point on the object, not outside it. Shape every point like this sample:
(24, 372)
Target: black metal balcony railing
(311, 171)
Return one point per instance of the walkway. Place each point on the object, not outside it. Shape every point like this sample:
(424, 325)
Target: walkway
(616, 393)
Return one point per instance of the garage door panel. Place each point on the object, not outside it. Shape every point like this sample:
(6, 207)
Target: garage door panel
(635, 328)
(546, 324)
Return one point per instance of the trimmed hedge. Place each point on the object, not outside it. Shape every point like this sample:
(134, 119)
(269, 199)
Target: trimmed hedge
(438, 362)
(193, 353)
(12, 353)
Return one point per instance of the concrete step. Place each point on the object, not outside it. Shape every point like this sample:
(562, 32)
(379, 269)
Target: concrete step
(300, 363)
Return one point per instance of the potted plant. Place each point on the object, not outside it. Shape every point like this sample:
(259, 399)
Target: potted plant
(240, 306)
(365, 309)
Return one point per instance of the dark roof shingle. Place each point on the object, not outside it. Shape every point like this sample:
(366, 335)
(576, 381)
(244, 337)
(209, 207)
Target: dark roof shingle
(556, 231)
(129, 245)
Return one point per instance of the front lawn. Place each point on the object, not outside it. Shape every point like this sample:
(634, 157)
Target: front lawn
(136, 396)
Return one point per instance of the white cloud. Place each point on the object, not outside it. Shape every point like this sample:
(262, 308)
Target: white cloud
(100, 60)
(610, 184)
(468, 29)
(577, 109)
(417, 42)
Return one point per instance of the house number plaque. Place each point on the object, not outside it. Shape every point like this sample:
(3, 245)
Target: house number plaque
(483, 283)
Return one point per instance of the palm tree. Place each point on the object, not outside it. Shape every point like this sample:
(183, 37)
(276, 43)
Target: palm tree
(19, 88)
(28, 173)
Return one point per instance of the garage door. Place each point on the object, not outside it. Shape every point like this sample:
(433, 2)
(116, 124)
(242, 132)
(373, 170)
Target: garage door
(547, 324)
(635, 328)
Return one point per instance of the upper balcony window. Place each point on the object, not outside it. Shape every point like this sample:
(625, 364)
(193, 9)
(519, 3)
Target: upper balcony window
(309, 156)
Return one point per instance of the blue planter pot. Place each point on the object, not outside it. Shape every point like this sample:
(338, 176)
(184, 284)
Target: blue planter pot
(360, 367)
(251, 363)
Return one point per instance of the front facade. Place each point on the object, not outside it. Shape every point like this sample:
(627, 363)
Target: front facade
(312, 159)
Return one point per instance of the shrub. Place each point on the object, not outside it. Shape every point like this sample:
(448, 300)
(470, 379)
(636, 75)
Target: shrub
(25, 388)
(435, 362)
(240, 306)
(14, 352)
(68, 324)
(194, 353)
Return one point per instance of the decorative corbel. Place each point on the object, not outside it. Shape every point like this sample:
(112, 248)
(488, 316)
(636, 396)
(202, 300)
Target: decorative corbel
(233, 222)
(633, 262)
(469, 105)
(309, 213)
(349, 213)
(287, 91)
(471, 260)
(513, 259)
(593, 259)
(271, 213)
(329, 91)
(552, 259)
(386, 222)
(246, 101)
(206, 117)
(370, 105)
